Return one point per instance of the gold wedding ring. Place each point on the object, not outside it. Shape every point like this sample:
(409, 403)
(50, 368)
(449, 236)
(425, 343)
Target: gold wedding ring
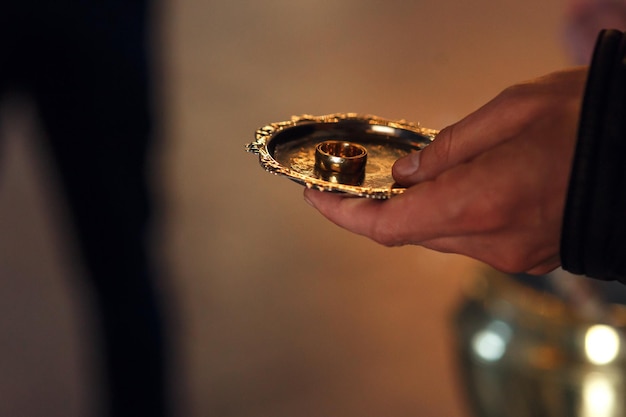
(340, 162)
(340, 157)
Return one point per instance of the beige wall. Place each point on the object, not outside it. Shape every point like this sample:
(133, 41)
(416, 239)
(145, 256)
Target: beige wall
(281, 313)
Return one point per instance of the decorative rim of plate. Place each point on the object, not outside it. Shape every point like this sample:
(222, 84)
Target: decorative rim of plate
(264, 135)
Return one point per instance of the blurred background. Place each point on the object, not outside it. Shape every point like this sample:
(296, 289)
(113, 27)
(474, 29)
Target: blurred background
(273, 311)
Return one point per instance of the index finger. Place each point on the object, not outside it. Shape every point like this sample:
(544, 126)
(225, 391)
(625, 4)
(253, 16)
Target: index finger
(409, 218)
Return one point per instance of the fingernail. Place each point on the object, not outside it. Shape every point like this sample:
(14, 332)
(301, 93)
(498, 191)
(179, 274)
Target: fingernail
(408, 165)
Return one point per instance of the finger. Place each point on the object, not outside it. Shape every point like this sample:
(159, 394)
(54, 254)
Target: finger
(468, 198)
(353, 214)
(461, 141)
(357, 215)
(422, 212)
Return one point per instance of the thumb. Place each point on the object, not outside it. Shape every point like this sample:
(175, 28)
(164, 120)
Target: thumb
(460, 142)
(427, 163)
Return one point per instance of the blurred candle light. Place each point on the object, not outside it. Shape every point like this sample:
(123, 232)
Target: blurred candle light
(599, 396)
(602, 344)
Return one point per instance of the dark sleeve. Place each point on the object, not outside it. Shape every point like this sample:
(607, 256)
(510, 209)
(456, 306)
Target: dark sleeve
(593, 240)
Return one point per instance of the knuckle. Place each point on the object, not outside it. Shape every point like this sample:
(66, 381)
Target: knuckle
(483, 212)
(384, 232)
(520, 102)
(442, 145)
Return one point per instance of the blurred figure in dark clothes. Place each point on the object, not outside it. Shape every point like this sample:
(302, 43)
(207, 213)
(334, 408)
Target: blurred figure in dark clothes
(85, 65)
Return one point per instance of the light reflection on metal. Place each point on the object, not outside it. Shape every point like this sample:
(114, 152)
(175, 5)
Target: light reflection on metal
(386, 130)
(490, 343)
(288, 149)
(525, 353)
(602, 344)
(340, 162)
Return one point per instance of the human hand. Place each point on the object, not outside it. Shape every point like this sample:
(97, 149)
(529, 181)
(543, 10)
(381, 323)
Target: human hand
(491, 186)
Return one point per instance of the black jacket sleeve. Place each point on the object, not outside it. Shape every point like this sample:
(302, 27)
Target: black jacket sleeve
(593, 239)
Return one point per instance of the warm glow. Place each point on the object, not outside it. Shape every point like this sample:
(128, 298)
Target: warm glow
(602, 344)
(599, 396)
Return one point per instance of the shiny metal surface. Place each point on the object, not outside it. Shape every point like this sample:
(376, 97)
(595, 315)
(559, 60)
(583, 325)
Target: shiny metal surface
(524, 353)
(340, 156)
(288, 149)
(340, 162)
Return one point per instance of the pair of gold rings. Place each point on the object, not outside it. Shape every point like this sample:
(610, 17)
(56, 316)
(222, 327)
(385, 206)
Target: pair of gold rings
(341, 162)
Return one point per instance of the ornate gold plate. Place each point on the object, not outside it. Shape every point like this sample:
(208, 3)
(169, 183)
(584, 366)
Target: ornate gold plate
(288, 149)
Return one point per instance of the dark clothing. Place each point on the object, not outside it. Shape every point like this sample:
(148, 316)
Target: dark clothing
(593, 241)
(86, 66)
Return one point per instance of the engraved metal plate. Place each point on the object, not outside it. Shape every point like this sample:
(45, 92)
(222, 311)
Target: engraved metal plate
(288, 149)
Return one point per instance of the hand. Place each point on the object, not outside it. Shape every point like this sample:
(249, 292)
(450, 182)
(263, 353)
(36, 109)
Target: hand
(491, 186)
